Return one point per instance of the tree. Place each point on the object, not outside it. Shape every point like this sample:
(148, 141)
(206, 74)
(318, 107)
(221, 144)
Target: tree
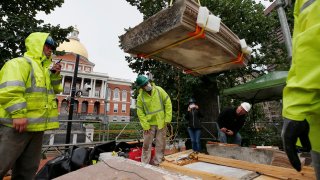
(18, 20)
(246, 19)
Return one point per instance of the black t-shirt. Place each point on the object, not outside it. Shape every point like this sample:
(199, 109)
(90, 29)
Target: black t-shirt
(229, 119)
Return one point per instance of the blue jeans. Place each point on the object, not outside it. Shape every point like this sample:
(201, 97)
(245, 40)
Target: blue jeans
(235, 139)
(195, 134)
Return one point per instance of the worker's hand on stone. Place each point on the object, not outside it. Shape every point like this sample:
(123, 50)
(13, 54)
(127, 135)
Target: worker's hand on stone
(20, 124)
(224, 130)
(291, 131)
(229, 132)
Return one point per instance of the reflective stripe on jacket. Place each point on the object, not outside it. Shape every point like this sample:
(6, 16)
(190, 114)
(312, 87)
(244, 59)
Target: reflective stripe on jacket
(301, 96)
(154, 109)
(27, 89)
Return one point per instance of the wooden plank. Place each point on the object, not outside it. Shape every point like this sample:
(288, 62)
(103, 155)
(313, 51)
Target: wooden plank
(278, 172)
(174, 157)
(264, 177)
(195, 173)
(280, 159)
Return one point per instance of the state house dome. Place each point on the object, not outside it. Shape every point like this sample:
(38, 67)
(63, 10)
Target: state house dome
(74, 45)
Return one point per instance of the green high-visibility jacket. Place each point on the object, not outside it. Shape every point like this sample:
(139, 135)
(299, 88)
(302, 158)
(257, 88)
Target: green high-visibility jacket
(27, 88)
(301, 96)
(154, 109)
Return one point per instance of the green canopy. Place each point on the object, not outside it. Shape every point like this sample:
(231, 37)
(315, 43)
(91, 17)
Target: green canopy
(264, 88)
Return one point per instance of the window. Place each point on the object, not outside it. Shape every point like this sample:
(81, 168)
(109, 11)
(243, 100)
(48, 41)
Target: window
(115, 108)
(108, 107)
(124, 95)
(69, 67)
(97, 93)
(84, 107)
(109, 93)
(63, 66)
(123, 108)
(64, 107)
(116, 94)
(96, 108)
(75, 106)
(66, 90)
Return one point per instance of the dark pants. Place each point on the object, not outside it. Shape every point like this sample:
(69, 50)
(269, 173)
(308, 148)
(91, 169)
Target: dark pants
(195, 134)
(20, 152)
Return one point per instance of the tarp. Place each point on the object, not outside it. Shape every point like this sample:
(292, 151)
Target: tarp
(264, 88)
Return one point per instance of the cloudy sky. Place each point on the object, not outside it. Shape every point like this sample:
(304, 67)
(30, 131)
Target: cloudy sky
(100, 22)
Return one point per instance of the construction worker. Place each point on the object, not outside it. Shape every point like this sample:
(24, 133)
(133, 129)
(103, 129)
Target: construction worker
(301, 96)
(28, 106)
(194, 124)
(154, 110)
(230, 121)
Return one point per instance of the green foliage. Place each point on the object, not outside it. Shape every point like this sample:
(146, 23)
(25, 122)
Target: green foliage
(17, 21)
(261, 131)
(246, 19)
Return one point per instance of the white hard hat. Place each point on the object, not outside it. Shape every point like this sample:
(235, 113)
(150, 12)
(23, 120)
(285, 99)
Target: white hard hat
(246, 106)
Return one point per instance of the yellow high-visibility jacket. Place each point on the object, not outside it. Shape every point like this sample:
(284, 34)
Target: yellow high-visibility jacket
(301, 96)
(154, 109)
(27, 88)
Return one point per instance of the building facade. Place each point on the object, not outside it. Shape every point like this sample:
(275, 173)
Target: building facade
(108, 98)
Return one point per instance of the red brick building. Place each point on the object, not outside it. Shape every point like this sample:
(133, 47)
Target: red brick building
(91, 104)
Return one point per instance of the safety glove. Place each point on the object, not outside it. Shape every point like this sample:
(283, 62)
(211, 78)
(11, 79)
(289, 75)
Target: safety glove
(291, 131)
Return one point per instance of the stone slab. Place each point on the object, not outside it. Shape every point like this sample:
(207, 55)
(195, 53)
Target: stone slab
(111, 167)
(214, 53)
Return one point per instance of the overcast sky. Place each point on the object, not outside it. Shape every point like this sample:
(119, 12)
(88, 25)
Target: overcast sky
(100, 22)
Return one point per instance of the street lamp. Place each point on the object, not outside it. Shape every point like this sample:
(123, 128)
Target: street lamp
(73, 93)
(105, 118)
(280, 4)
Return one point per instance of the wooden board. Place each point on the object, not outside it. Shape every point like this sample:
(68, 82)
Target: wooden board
(307, 173)
(214, 53)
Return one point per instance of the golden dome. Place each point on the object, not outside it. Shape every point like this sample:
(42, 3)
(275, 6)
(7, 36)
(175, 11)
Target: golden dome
(74, 45)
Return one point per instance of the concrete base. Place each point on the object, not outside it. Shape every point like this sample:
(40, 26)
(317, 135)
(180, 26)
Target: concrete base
(260, 156)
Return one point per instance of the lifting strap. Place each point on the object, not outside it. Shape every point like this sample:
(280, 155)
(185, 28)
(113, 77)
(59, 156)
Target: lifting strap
(238, 60)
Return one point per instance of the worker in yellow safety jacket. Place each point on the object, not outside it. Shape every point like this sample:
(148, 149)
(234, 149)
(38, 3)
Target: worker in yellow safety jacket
(301, 96)
(154, 110)
(28, 106)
